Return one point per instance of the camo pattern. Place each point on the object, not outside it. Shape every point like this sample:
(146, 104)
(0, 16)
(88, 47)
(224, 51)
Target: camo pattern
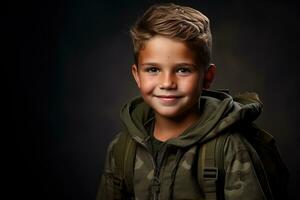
(178, 174)
(241, 181)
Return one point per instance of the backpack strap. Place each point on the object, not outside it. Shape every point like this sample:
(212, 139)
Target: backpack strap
(208, 173)
(220, 145)
(124, 154)
(211, 172)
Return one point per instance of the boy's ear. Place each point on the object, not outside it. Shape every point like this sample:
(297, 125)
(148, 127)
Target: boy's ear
(209, 76)
(135, 73)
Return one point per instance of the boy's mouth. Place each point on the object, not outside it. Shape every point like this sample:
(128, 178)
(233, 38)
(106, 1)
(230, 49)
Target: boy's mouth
(168, 96)
(168, 99)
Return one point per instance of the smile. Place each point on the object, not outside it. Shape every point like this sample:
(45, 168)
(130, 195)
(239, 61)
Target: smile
(168, 99)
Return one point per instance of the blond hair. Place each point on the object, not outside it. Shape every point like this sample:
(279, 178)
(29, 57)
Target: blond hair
(176, 22)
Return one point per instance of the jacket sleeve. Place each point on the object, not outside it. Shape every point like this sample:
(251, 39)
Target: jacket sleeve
(105, 189)
(241, 181)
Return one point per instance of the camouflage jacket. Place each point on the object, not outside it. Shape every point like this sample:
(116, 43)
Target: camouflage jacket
(176, 170)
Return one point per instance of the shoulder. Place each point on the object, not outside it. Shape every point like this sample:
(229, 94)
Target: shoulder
(248, 137)
(235, 143)
(238, 138)
(237, 152)
(110, 157)
(114, 141)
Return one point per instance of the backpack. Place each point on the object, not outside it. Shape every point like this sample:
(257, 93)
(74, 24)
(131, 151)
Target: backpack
(272, 173)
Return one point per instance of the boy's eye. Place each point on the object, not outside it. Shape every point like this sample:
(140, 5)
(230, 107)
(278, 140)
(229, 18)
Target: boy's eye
(152, 70)
(183, 70)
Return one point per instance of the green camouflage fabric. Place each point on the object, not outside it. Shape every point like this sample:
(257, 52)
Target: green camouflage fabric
(177, 171)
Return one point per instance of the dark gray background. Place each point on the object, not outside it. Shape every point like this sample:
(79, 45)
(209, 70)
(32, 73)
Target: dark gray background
(73, 76)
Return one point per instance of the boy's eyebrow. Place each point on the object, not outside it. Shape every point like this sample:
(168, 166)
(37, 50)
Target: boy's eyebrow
(150, 63)
(177, 64)
(186, 64)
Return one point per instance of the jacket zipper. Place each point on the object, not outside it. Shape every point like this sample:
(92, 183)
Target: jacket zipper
(155, 187)
(156, 181)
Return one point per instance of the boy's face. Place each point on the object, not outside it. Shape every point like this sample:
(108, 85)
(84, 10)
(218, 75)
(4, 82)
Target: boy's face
(169, 78)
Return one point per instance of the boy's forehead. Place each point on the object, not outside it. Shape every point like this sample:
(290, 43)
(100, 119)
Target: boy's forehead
(163, 49)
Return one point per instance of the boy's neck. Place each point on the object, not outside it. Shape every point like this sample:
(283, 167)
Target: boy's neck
(167, 128)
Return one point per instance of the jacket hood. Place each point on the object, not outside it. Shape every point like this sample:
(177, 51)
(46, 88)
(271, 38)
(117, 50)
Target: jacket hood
(219, 112)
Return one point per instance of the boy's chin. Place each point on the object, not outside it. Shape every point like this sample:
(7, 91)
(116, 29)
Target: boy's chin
(174, 112)
(168, 113)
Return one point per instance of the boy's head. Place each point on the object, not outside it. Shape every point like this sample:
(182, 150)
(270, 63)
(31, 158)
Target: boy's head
(175, 22)
(172, 50)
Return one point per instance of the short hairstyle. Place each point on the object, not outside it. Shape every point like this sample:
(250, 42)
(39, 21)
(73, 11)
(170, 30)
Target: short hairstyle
(176, 22)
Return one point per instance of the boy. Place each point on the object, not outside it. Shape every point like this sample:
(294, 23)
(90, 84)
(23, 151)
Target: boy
(176, 121)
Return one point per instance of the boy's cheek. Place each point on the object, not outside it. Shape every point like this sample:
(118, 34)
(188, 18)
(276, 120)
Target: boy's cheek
(146, 89)
(147, 84)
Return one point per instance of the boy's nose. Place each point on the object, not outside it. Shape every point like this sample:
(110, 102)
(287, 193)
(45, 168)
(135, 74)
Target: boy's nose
(168, 82)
